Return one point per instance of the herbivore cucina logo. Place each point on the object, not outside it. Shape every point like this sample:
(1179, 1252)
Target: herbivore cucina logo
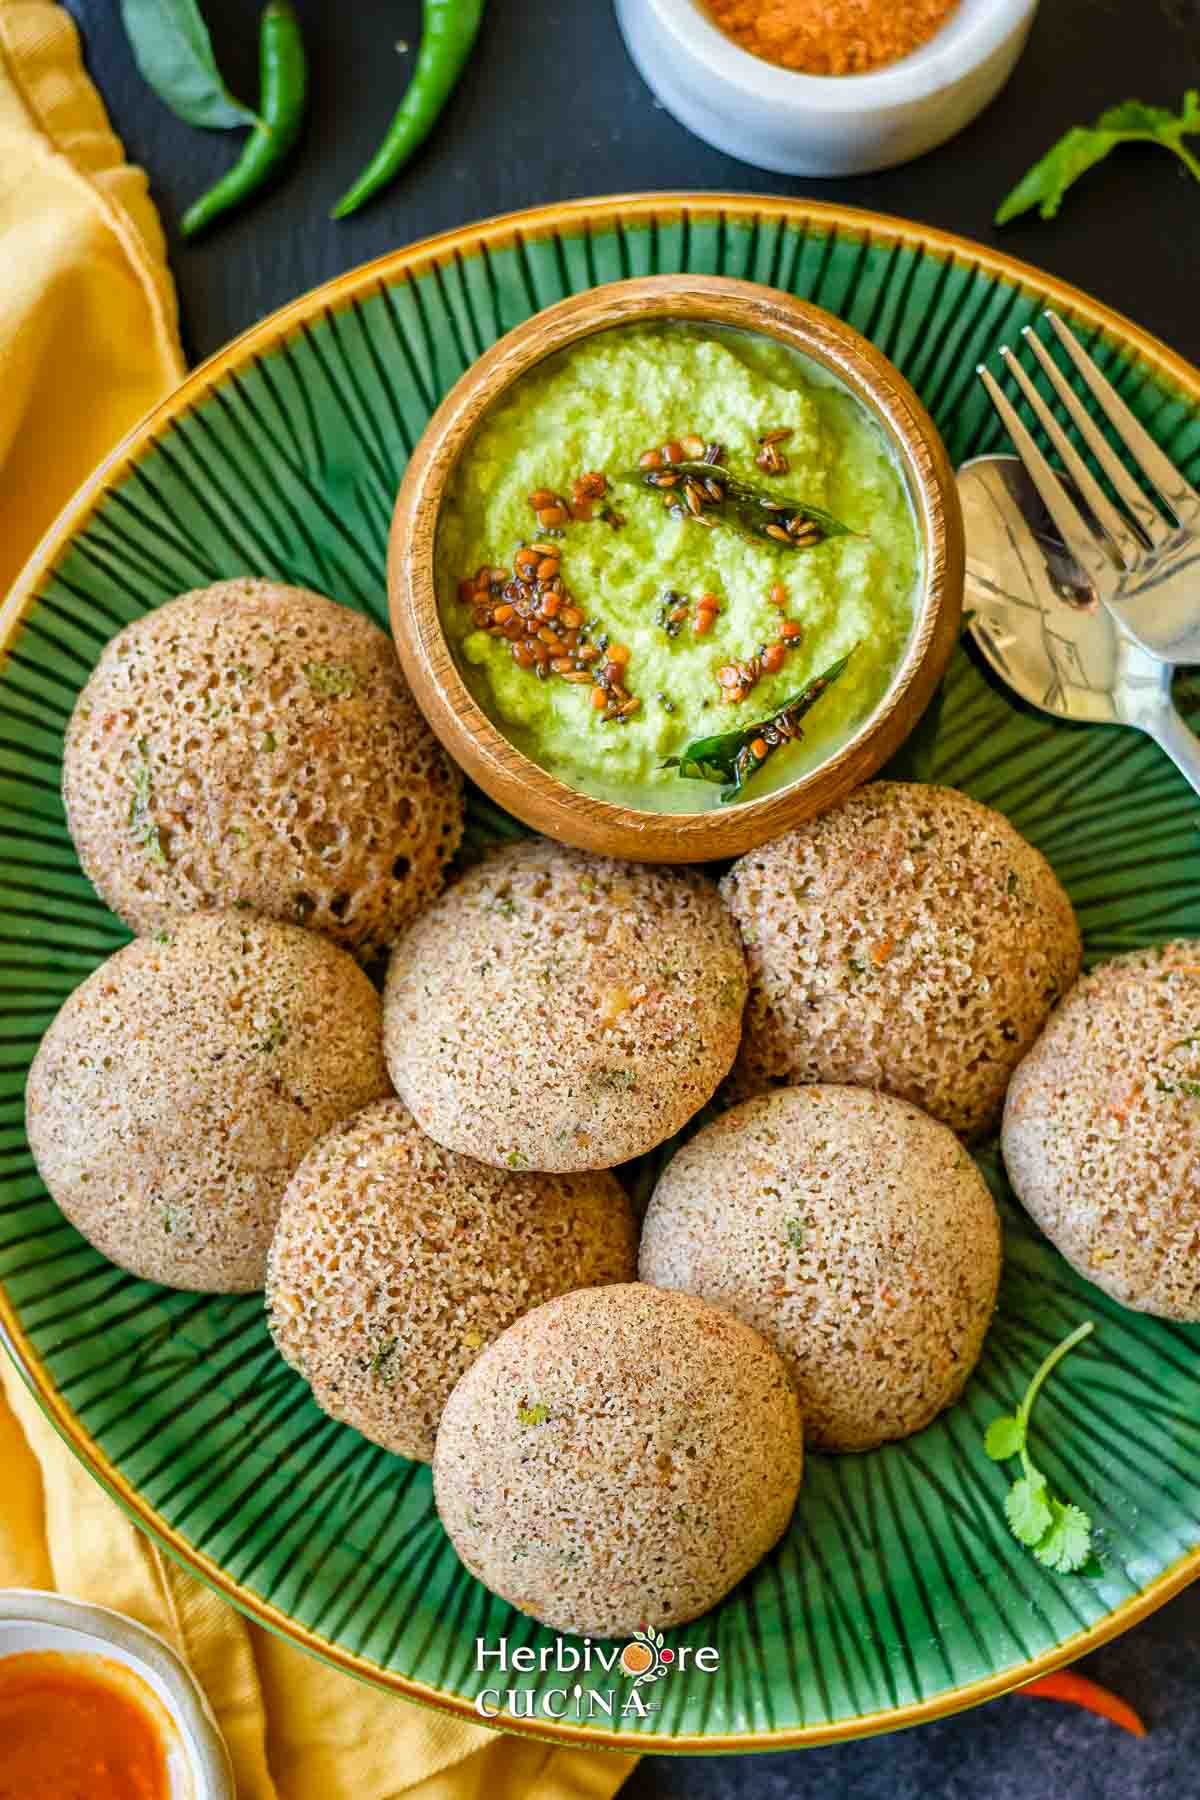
(632, 1670)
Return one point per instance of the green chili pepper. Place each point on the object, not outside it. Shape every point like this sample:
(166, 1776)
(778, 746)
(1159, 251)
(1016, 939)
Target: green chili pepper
(283, 75)
(448, 31)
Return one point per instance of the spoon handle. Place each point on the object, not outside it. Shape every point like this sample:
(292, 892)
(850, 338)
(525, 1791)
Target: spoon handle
(1181, 744)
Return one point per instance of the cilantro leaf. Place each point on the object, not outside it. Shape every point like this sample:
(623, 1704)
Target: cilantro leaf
(1058, 1533)
(1190, 1088)
(1067, 1544)
(1081, 148)
(1005, 1438)
(330, 679)
(1029, 1508)
(142, 823)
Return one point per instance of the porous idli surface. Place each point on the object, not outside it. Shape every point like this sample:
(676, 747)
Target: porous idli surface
(182, 1083)
(561, 1011)
(396, 1262)
(618, 1459)
(908, 939)
(1101, 1133)
(855, 1233)
(256, 745)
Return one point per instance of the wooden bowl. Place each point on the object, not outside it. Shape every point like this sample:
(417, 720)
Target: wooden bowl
(504, 772)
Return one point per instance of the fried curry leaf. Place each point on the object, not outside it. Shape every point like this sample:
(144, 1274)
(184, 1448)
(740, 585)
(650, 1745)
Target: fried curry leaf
(1081, 148)
(730, 757)
(721, 498)
(174, 52)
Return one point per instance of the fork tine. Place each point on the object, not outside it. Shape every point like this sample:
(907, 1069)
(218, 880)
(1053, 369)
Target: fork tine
(1086, 549)
(1126, 542)
(1143, 510)
(1158, 469)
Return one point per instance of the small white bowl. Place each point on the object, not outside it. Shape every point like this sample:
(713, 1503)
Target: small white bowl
(32, 1620)
(823, 124)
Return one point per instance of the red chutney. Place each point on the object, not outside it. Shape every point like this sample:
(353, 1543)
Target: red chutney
(71, 1728)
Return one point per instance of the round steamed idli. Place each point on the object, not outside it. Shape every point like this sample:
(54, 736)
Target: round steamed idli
(855, 1233)
(909, 939)
(561, 1011)
(256, 745)
(619, 1459)
(182, 1082)
(1102, 1130)
(394, 1262)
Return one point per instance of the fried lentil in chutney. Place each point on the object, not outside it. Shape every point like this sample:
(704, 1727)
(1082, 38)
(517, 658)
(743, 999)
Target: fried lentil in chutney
(76, 1728)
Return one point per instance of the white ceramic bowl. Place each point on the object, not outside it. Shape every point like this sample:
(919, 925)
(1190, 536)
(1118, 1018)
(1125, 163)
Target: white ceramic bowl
(197, 1760)
(823, 124)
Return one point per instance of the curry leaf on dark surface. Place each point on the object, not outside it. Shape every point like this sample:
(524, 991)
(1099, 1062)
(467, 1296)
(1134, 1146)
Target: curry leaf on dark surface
(725, 499)
(1081, 148)
(174, 52)
(730, 756)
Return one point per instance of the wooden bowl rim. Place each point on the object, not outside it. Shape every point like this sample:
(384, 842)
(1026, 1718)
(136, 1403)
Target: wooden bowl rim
(503, 771)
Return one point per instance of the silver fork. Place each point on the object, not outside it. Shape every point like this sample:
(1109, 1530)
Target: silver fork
(1144, 560)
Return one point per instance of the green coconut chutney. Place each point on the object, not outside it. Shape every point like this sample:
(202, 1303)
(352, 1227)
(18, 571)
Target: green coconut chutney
(597, 407)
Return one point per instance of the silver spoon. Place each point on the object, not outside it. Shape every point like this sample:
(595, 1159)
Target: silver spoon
(1039, 622)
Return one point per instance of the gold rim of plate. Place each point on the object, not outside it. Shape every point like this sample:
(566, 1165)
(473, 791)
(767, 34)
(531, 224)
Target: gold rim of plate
(411, 260)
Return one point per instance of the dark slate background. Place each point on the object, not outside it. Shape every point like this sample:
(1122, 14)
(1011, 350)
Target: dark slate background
(551, 109)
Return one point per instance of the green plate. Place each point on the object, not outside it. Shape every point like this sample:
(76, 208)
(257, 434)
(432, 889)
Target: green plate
(898, 1593)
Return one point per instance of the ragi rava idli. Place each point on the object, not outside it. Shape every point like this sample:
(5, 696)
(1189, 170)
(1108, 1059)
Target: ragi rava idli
(256, 745)
(181, 1084)
(618, 1459)
(1102, 1129)
(908, 939)
(556, 1010)
(396, 1262)
(855, 1233)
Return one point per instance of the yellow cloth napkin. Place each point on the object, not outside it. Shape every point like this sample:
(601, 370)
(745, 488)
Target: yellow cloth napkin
(88, 342)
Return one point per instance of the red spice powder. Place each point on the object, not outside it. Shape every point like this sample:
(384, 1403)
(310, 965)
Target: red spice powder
(831, 37)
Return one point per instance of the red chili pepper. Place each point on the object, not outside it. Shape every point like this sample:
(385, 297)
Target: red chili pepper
(1077, 1690)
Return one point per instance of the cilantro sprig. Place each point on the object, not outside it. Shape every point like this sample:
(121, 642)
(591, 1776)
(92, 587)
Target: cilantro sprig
(1182, 1084)
(1058, 1532)
(1081, 148)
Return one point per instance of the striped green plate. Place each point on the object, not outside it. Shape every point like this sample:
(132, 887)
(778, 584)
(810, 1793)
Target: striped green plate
(898, 1593)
